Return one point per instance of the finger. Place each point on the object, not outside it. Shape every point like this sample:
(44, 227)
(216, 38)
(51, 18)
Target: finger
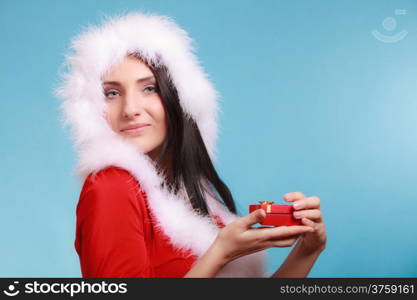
(314, 214)
(284, 232)
(283, 243)
(307, 203)
(309, 223)
(253, 218)
(289, 197)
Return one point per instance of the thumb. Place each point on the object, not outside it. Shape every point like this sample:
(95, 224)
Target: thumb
(254, 217)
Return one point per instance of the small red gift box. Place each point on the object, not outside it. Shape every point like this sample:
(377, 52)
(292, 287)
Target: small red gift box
(276, 215)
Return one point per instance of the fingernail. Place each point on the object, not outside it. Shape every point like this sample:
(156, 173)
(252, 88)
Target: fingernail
(297, 205)
(297, 215)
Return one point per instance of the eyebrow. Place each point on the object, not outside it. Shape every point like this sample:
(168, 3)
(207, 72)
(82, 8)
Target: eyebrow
(142, 80)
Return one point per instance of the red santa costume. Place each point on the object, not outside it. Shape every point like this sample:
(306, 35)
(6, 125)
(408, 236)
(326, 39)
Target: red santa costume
(128, 224)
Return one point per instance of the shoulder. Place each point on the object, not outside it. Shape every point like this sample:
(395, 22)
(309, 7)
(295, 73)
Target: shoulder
(111, 201)
(111, 183)
(110, 178)
(108, 175)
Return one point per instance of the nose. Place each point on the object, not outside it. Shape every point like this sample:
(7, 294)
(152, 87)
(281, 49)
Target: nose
(132, 105)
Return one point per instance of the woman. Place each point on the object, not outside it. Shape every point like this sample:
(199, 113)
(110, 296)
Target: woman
(143, 115)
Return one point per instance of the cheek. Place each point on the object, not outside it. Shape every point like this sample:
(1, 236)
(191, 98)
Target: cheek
(158, 113)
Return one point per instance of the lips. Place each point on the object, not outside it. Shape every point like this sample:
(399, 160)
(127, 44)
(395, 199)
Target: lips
(135, 126)
(133, 130)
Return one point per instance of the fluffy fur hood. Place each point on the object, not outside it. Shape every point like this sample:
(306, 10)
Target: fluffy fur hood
(159, 40)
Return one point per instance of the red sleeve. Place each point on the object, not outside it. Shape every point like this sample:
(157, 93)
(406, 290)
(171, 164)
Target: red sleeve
(110, 229)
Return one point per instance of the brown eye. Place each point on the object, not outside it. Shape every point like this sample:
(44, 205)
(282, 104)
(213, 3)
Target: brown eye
(150, 89)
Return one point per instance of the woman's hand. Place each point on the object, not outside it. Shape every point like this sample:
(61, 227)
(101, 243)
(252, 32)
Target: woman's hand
(308, 210)
(238, 238)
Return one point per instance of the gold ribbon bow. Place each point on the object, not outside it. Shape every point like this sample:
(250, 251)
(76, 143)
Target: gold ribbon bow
(268, 205)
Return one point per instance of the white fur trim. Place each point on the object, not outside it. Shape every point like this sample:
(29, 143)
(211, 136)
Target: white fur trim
(98, 50)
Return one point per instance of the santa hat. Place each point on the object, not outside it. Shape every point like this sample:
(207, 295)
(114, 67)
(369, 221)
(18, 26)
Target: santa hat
(158, 40)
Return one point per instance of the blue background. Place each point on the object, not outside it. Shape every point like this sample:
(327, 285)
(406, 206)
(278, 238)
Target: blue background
(311, 102)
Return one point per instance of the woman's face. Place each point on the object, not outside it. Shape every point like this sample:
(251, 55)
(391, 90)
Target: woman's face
(133, 100)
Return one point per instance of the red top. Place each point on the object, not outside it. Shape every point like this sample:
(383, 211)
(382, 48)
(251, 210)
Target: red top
(116, 235)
